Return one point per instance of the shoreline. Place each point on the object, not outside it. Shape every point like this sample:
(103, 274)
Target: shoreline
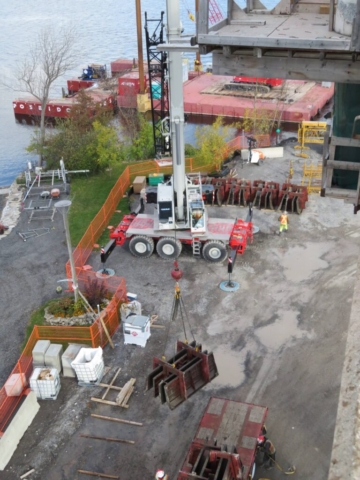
(10, 206)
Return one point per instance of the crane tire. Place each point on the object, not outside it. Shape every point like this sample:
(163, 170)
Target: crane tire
(141, 246)
(214, 251)
(168, 248)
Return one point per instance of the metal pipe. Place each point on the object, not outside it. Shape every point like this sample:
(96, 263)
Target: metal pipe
(71, 257)
(140, 46)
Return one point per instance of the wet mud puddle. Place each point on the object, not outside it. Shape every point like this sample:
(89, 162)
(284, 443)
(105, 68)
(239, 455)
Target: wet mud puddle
(300, 263)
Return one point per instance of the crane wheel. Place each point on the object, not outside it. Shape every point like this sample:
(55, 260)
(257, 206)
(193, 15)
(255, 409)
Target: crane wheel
(168, 248)
(141, 246)
(214, 251)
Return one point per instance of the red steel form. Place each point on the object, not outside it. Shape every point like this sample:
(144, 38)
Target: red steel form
(176, 379)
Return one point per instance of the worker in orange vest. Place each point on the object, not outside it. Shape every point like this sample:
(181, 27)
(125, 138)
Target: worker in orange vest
(161, 475)
(265, 445)
(284, 221)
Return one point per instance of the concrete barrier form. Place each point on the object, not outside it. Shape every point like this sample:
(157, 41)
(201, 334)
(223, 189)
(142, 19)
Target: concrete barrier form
(17, 427)
(269, 152)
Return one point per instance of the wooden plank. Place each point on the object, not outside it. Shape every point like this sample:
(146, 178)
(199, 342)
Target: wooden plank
(107, 402)
(112, 387)
(97, 474)
(292, 68)
(28, 473)
(107, 439)
(106, 330)
(345, 142)
(111, 383)
(337, 164)
(123, 394)
(127, 396)
(114, 419)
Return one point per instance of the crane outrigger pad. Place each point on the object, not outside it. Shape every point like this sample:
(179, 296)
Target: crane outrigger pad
(176, 379)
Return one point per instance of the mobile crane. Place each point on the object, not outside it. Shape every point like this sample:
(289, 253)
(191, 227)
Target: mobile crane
(180, 216)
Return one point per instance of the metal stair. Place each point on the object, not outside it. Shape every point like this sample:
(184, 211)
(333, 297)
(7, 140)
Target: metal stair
(196, 246)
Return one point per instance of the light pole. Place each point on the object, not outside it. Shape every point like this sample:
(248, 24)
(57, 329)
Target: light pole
(63, 207)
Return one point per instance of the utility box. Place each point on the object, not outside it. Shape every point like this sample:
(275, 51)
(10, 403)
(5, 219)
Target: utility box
(45, 383)
(39, 351)
(155, 178)
(69, 356)
(139, 183)
(136, 330)
(89, 365)
(53, 356)
(15, 384)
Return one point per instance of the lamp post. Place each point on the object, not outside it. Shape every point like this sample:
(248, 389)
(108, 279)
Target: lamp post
(63, 207)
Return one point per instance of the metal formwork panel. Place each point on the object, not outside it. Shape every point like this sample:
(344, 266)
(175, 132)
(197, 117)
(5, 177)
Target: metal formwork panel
(182, 375)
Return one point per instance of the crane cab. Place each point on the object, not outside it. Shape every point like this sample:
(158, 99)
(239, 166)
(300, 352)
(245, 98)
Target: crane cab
(195, 212)
(165, 204)
(197, 217)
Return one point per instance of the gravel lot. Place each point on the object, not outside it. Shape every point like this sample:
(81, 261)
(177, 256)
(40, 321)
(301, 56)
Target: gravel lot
(278, 341)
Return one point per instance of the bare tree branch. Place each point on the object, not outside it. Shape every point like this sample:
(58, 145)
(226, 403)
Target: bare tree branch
(51, 55)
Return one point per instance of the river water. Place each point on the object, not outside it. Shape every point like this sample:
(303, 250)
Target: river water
(106, 31)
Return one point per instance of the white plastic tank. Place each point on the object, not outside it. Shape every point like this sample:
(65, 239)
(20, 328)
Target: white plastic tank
(89, 365)
(45, 383)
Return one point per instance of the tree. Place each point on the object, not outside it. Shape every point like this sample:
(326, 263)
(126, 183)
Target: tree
(85, 140)
(50, 56)
(211, 141)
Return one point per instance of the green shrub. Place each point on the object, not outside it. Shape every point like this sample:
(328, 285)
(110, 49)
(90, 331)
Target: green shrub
(66, 307)
(95, 293)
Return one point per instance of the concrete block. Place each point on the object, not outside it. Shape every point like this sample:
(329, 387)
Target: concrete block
(53, 356)
(17, 427)
(69, 356)
(39, 351)
(269, 152)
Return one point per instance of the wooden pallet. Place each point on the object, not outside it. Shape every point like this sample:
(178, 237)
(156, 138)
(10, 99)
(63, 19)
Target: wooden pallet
(123, 395)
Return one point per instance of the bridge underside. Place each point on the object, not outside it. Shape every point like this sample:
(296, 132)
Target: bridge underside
(294, 41)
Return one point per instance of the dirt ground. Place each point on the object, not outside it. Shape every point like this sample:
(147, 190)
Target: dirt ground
(278, 341)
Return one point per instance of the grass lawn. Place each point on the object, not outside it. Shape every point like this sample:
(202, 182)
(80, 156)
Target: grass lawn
(36, 318)
(88, 195)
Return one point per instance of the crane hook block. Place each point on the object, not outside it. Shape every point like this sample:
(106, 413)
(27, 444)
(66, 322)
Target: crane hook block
(176, 272)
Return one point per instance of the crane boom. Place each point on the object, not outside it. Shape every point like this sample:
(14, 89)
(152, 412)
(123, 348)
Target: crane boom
(176, 107)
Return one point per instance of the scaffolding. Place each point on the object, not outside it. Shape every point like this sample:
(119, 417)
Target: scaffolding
(158, 85)
(311, 178)
(310, 132)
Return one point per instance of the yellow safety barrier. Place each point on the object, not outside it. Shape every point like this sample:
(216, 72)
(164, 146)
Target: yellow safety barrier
(310, 132)
(311, 178)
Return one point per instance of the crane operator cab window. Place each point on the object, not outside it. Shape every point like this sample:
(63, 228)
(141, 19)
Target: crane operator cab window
(165, 212)
(197, 214)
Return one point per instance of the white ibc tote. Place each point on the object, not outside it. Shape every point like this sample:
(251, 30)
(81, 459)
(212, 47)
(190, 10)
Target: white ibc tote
(89, 364)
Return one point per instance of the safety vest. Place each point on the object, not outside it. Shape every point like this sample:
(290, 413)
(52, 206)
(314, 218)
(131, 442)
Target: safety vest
(283, 219)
